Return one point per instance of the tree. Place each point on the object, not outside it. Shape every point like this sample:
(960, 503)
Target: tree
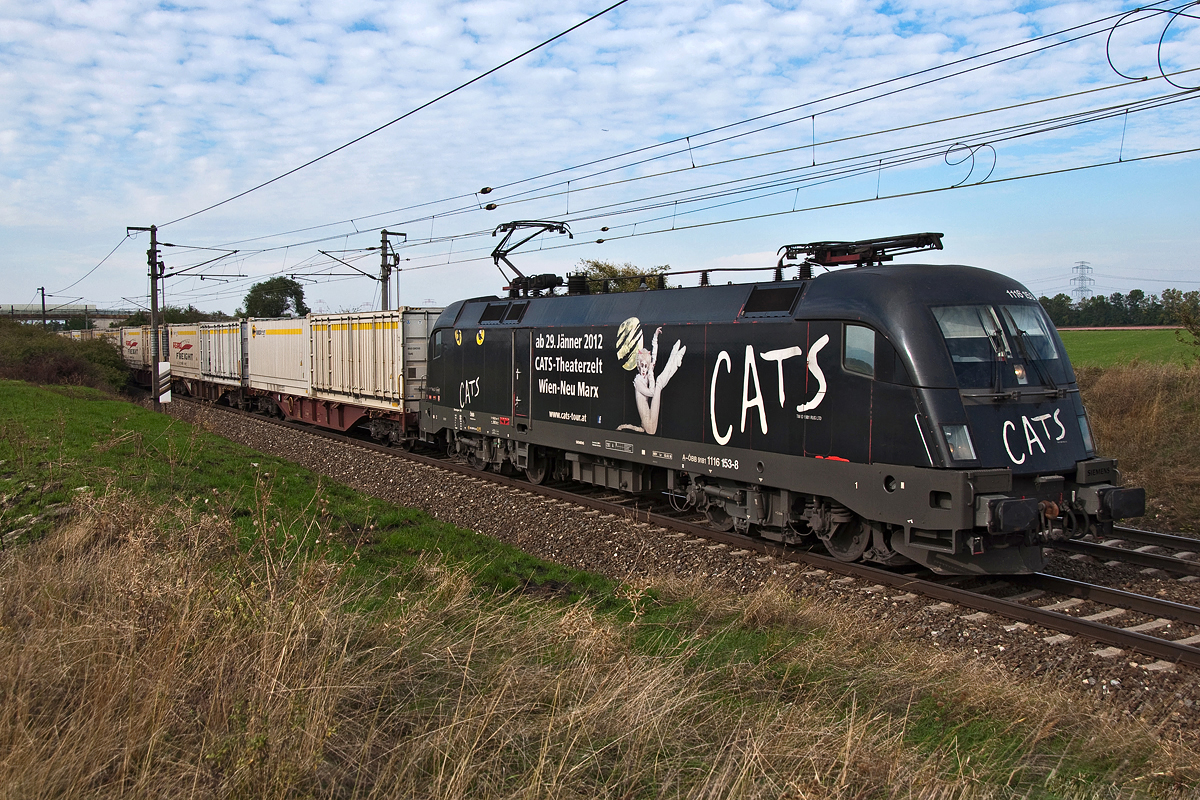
(621, 277)
(1060, 309)
(173, 315)
(77, 324)
(1184, 310)
(278, 297)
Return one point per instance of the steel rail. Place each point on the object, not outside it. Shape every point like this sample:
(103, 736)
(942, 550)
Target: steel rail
(1109, 553)
(1153, 537)
(1052, 620)
(1106, 595)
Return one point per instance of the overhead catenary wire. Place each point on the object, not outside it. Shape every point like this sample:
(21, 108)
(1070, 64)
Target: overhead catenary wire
(403, 116)
(838, 95)
(847, 203)
(1153, 8)
(98, 265)
(632, 203)
(823, 143)
(826, 206)
(872, 166)
(830, 170)
(767, 115)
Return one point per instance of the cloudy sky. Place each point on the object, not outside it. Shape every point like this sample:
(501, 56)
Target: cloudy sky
(694, 134)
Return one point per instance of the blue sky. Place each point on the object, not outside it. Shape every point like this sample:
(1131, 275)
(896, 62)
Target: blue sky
(119, 112)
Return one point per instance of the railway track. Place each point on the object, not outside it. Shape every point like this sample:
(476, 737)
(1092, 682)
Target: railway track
(1124, 620)
(1163, 551)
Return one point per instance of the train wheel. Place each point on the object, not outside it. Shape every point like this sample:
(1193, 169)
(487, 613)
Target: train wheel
(717, 518)
(539, 467)
(848, 540)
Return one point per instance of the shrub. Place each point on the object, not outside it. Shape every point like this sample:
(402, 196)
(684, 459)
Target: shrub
(30, 353)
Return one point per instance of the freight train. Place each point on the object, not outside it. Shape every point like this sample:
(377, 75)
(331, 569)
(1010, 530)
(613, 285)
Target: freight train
(907, 414)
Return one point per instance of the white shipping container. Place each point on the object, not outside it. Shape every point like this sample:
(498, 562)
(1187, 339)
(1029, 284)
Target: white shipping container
(418, 322)
(135, 346)
(359, 358)
(376, 359)
(184, 350)
(222, 345)
(278, 351)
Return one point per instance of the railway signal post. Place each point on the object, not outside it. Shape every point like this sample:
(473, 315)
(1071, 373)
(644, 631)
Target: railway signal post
(155, 271)
(387, 261)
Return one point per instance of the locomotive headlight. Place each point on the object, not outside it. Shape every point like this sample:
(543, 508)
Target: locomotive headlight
(958, 440)
(1086, 430)
(1019, 371)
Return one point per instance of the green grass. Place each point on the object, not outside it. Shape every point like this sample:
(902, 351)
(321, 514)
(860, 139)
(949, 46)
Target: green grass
(739, 663)
(58, 441)
(1108, 348)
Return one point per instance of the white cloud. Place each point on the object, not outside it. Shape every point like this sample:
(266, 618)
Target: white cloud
(124, 113)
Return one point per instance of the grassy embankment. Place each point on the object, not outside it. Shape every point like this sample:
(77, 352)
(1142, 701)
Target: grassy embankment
(211, 621)
(1142, 392)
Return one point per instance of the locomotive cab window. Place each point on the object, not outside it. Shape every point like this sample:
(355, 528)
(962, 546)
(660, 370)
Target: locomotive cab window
(1000, 347)
(1029, 328)
(858, 354)
(437, 344)
(975, 341)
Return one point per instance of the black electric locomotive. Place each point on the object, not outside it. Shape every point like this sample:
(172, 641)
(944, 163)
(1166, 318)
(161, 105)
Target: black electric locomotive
(916, 413)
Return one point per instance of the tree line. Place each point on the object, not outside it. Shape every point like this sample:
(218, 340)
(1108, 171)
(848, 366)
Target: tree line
(1173, 307)
(277, 297)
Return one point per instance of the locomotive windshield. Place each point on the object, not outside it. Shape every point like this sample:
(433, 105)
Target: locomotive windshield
(1001, 347)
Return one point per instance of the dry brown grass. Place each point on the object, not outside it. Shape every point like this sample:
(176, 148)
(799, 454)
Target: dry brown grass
(144, 654)
(1148, 417)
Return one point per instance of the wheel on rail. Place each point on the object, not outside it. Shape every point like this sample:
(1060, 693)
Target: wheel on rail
(538, 467)
(718, 518)
(848, 540)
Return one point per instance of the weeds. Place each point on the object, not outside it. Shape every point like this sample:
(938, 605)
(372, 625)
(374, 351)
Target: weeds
(1147, 416)
(266, 634)
(148, 652)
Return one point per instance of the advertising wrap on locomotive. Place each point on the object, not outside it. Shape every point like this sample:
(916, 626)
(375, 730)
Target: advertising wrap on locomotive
(900, 414)
(921, 414)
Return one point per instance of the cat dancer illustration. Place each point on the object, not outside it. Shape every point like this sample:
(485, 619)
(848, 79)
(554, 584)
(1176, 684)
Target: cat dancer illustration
(647, 386)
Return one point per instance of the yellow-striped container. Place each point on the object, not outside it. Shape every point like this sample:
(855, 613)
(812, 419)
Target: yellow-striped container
(278, 355)
(222, 346)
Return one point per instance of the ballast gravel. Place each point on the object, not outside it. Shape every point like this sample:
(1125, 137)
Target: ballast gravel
(627, 549)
